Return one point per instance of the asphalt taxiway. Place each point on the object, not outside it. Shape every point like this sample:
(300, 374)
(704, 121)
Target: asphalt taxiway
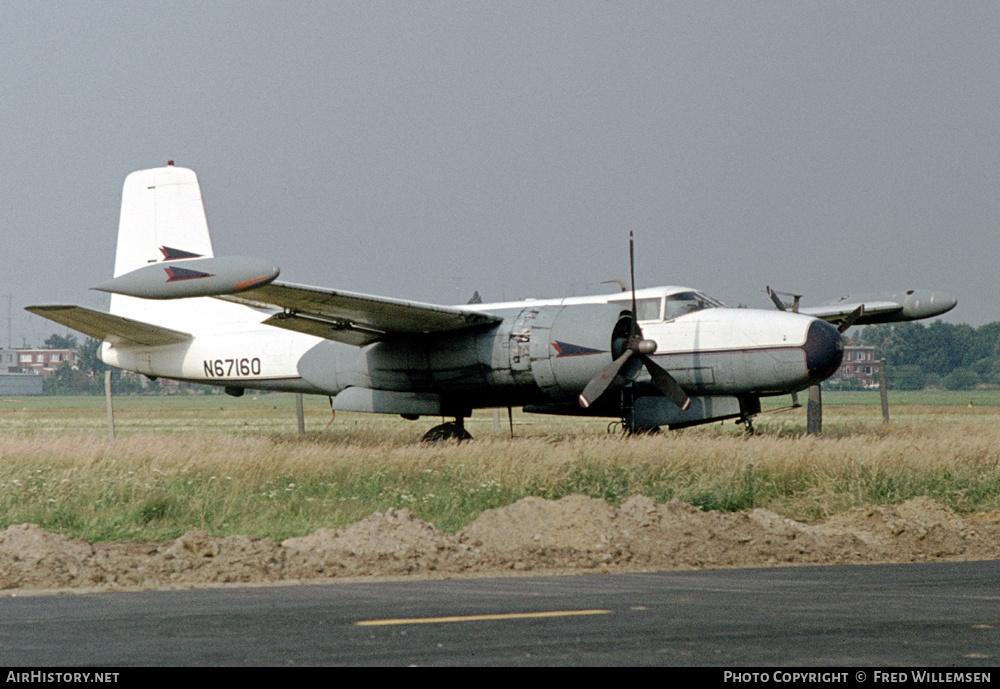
(874, 615)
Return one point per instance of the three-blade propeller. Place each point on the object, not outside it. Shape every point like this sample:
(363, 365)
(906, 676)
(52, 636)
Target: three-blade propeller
(635, 347)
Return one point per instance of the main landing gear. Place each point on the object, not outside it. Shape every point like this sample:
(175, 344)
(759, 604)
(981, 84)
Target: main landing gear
(448, 431)
(628, 425)
(749, 408)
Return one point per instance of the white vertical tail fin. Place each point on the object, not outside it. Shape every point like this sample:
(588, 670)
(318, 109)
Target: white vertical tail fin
(163, 218)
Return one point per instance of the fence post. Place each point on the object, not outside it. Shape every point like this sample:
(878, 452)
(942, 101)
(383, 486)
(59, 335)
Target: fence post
(300, 414)
(814, 411)
(882, 391)
(107, 397)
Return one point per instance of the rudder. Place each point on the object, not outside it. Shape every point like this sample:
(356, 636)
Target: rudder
(162, 218)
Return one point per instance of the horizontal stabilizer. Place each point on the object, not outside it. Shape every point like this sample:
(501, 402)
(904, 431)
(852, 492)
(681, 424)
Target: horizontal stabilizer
(110, 328)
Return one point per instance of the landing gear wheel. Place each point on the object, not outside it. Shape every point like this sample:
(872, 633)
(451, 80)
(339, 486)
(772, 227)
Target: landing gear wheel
(748, 425)
(447, 431)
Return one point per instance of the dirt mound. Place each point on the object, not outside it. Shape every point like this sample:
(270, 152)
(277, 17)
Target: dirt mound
(386, 543)
(574, 534)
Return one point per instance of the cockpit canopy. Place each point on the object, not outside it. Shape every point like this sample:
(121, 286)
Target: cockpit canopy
(687, 302)
(670, 306)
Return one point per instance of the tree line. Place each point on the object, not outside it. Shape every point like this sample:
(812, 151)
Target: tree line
(938, 355)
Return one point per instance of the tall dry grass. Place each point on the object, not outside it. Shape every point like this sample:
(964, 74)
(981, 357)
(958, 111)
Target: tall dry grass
(252, 480)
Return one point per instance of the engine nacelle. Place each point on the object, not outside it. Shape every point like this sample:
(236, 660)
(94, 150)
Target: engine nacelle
(559, 349)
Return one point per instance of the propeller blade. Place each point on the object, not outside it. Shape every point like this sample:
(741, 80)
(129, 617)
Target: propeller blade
(634, 331)
(641, 348)
(599, 383)
(667, 384)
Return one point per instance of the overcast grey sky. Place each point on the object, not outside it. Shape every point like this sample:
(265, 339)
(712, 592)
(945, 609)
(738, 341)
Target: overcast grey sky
(428, 149)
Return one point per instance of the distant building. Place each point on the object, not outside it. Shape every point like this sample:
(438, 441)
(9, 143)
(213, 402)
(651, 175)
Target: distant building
(860, 364)
(8, 361)
(40, 362)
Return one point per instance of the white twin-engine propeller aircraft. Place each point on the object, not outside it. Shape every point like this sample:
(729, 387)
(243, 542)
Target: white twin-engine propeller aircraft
(661, 356)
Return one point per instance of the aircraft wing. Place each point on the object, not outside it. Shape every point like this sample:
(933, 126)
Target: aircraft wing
(835, 313)
(353, 318)
(108, 327)
(884, 307)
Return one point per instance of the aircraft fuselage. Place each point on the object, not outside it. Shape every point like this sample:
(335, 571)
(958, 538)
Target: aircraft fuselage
(541, 354)
(651, 357)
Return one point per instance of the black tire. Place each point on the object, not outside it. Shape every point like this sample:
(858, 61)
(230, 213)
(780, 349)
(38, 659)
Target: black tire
(446, 431)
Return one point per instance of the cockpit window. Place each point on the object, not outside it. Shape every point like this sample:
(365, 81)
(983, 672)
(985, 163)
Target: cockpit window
(646, 309)
(676, 305)
(688, 302)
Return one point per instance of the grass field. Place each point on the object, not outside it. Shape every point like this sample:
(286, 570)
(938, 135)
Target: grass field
(229, 466)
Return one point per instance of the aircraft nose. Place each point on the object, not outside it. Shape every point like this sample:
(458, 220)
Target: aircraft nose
(824, 350)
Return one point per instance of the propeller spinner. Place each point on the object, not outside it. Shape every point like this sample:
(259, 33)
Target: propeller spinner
(635, 346)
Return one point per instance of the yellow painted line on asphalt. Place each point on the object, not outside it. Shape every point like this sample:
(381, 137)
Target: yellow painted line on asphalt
(479, 618)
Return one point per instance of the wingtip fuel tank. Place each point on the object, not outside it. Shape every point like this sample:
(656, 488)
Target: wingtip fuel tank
(197, 277)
